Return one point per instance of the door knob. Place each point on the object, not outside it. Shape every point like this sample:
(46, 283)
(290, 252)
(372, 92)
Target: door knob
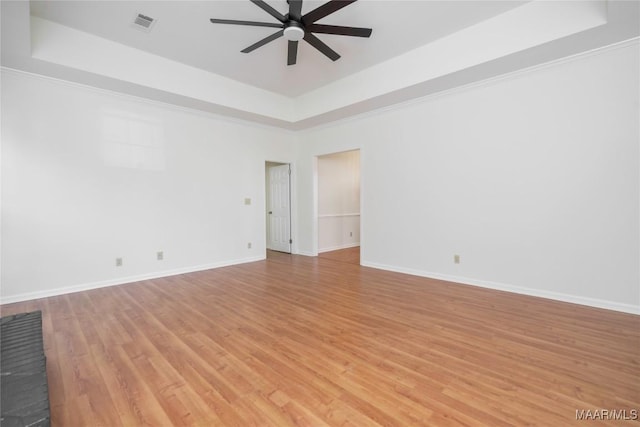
(270, 213)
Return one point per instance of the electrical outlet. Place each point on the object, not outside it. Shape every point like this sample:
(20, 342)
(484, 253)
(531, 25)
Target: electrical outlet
(351, 234)
(456, 259)
(160, 255)
(118, 262)
(249, 245)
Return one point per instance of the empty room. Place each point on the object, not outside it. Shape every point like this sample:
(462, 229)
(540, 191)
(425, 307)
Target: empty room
(320, 213)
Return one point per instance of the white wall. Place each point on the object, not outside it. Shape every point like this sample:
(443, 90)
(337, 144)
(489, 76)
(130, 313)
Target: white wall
(88, 176)
(338, 201)
(533, 179)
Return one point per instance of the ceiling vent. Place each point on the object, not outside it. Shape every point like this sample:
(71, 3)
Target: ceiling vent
(143, 22)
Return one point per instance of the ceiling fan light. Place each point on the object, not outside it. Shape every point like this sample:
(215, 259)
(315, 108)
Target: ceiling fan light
(293, 33)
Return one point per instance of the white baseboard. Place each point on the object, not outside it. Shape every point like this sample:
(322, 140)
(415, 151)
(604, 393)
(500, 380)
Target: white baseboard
(575, 299)
(337, 248)
(591, 302)
(305, 253)
(123, 280)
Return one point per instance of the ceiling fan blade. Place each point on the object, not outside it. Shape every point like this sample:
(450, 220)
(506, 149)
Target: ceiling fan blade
(295, 9)
(271, 11)
(293, 52)
(318, 44)
(342, 31)
(264, 41)
(324, 10)
(252, 23)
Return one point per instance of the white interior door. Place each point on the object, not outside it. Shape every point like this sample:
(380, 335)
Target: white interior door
(279, 209)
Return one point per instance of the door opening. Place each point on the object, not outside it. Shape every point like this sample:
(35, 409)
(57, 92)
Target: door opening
(278, 206)
(338, 204)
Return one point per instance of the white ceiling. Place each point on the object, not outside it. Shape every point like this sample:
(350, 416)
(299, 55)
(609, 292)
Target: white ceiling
(417, 48)
(183, 33)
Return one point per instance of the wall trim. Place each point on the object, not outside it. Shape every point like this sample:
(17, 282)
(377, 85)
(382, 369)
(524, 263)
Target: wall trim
(339, 215)
(124, 280)
(337, 248)
(473, 85)
(148, 101)
(557, 296)
(356, 117)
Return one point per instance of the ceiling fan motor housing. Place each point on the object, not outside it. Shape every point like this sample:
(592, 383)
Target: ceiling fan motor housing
(294, 31)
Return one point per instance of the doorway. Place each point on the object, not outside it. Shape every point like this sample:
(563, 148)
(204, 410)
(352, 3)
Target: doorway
(278, 206)
(338, 204)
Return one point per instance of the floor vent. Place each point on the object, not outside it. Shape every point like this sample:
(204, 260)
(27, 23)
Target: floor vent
(23, 368)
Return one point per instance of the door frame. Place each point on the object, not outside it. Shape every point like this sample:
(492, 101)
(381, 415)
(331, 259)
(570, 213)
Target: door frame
(292, 203)
(315, 220)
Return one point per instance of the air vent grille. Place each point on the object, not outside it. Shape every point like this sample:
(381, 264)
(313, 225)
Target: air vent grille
(143, 22)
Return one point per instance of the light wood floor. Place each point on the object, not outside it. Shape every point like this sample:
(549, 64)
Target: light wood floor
(316, 341)
(351, 255)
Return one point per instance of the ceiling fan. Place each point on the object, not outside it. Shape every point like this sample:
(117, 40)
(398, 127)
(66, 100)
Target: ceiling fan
(295, 27)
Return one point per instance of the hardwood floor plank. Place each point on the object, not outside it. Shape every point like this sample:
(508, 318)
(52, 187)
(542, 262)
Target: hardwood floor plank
(305, 341)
